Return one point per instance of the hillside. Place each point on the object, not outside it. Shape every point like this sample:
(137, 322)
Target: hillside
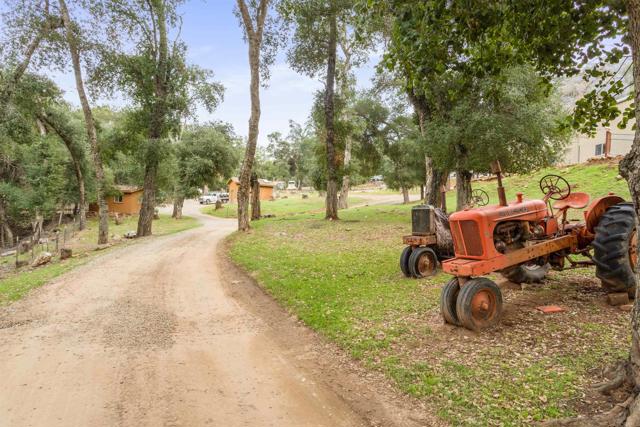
(594, 178)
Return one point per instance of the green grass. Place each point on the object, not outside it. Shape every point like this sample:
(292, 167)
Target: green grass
(15, 285)
(293, 205)
(342, 279)
(164, 225)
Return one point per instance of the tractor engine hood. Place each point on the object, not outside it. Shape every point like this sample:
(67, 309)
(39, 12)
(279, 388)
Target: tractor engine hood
(472, 229)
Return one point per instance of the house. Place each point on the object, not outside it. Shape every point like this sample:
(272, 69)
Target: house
(266, 189)
(607, 141)
(127, 200)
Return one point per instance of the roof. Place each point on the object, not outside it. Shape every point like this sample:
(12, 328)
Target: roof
(128, 189)
(266, 183)
(263, 182)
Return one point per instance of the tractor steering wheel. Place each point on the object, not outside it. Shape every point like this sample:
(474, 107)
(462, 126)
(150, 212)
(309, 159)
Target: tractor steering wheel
(479, 197)
(555, 187)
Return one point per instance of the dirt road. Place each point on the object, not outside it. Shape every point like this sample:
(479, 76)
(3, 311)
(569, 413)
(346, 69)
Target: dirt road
(154, 335)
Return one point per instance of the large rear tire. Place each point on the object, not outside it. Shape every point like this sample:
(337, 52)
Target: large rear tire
(616, 248)
(526, 273)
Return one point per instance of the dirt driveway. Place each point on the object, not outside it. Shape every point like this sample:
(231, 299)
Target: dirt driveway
(155, 334)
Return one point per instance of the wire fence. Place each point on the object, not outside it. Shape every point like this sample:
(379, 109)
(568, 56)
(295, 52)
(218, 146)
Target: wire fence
(39, 246)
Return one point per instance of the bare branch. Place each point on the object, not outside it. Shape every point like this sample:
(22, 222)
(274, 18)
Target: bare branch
(246, 19)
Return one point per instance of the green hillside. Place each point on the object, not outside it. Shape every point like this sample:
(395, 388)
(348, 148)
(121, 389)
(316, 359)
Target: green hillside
(595, 179)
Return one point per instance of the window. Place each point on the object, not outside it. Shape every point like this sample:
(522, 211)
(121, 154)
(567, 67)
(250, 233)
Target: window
(599, 149)
(117, 199)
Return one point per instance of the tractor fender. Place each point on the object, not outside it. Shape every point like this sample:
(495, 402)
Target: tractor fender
(597, 208)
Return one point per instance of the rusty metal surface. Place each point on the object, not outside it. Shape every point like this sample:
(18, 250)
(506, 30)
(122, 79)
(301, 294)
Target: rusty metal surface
(597, 208)
(473, 267)
(419, 240)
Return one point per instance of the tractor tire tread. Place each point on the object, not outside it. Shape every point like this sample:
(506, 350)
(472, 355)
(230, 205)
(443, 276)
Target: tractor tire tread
(611, 247)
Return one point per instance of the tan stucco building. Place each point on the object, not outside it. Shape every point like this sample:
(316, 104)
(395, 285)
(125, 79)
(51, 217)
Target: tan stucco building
(126, 201)
(607, 141)
(266, 189)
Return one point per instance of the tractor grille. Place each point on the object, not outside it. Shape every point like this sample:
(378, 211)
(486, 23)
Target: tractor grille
(466, 238)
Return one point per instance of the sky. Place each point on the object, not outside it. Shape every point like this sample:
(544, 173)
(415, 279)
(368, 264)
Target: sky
(215, 42)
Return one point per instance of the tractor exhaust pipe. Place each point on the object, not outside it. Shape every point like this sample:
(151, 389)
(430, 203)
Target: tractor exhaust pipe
(502, 196)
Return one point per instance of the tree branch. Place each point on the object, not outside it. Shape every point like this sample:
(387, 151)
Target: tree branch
(246, 18)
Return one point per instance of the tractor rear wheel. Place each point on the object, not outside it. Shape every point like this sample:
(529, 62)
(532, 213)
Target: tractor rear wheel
(404, 261)
(423, 262)
(616, 248)
(526, 273)
(479, 304)
(448, 301)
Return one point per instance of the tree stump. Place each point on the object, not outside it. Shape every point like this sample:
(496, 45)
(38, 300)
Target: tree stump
(65, 253)
(618, 298)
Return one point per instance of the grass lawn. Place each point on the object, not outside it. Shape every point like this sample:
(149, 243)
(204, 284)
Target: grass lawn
(293, 205)
(15, 285)
(349, 288)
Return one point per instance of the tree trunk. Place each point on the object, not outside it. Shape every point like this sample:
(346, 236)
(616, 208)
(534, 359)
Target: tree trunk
(103, 212)
(343, 201)
(254, 37)
(244, 188)
(332, 173)
(147, 208)
(178, 203)
(255, 197)
(463, 189)
(156, 126)
(435, 180)
(5, 230)
(405, 195)
(67, 139)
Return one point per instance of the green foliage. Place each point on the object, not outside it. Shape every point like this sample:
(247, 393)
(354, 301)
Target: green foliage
(206, 155)
(510, 117)
(36, 172)
(293, 155)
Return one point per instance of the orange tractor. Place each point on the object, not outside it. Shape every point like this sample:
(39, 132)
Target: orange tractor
(523, 239)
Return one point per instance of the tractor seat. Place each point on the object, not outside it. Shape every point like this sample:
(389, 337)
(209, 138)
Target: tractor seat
(573, 201)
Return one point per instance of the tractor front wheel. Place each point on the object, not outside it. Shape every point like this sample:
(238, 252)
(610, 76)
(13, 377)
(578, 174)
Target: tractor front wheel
(616, 248)
(479, 304)
(404, 261)
(448, 301)
(423, 262)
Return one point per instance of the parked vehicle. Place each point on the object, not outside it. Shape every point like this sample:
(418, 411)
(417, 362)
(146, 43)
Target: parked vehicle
(208, 199)
(523, 239)
(223, 196)
(430, 241)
